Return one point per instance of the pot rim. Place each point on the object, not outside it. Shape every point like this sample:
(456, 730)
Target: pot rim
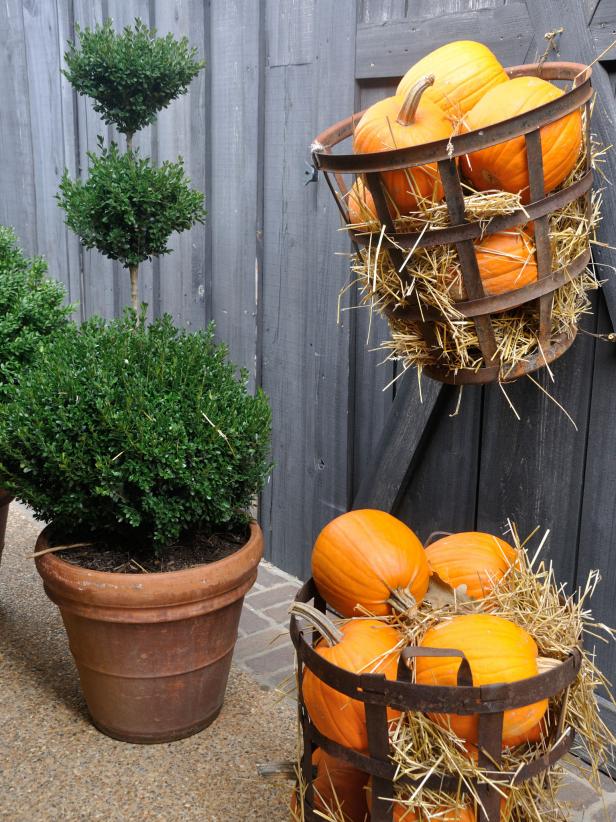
(164, 589)
(255, 532)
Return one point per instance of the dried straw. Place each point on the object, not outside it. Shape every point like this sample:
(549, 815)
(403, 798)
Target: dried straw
(528, 595)
(431, 278)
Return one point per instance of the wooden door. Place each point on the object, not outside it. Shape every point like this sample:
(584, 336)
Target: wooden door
(476, 469)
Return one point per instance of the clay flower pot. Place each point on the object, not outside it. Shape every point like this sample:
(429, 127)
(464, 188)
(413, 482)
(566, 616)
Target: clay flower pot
(5, 501)
(153, 650)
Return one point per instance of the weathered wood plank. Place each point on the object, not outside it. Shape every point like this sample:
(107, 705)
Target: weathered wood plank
(387, 50)
(598, 514)
(371, 396)
(392, 461)
(18, 203)
(182, 130)
(576, 44)
(377, 11)
(532, 469)
(51, 152)
(98, 294)
(304, 354)
(603, 21)
(291, 33)
(236, 166)
(441, 494)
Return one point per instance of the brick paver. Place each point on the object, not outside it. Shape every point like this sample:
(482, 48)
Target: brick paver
(264, 648)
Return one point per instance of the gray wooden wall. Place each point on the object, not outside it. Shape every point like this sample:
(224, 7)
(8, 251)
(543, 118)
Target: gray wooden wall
(269, 263)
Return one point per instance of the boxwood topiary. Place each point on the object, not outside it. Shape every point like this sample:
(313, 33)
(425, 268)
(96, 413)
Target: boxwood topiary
(128, 208)
(32, 309)
(130, 75)
(134, 435)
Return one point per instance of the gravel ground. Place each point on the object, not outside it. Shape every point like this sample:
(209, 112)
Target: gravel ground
(55, 766)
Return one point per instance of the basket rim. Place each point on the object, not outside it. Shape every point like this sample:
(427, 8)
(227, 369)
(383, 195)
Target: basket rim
(458, 145)
(466, 700)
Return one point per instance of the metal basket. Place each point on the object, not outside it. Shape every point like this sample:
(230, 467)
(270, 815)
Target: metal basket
(462, 232)
(378, 693)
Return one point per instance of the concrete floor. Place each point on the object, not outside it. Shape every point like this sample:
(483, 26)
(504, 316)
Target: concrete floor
(55, 767)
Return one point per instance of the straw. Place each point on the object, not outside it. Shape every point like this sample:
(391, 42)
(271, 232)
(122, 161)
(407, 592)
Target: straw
(431, 279)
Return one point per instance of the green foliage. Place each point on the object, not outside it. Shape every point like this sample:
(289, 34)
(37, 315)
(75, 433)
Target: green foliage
(31, 309)
(135, 433)
(131, 76)
(128, 208)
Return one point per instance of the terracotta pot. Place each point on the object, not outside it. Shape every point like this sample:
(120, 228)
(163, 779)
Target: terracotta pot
(153, 650)
(5, 501)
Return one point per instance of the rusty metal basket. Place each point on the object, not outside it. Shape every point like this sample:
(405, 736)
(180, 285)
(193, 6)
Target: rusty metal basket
(378, 693)
(461, 232)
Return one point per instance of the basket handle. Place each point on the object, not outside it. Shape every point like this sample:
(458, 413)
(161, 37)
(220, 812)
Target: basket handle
(465, 675)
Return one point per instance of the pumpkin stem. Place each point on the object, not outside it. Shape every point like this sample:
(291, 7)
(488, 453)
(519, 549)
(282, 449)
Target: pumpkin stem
(330, 633)
(411, 101)
(401, 600)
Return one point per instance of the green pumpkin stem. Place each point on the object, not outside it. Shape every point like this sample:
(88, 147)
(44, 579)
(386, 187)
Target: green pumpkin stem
(317, 620)
(407, 113)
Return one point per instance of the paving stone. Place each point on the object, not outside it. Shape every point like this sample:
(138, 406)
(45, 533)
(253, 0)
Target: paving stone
(251, 621)
(598, 813)
(268, 576)
(283, 594)
(272, 661)
(577, 792)
(262, 641)
(279, 613)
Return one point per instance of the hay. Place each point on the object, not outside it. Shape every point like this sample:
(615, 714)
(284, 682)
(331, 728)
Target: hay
(528, 595)
(431, 279)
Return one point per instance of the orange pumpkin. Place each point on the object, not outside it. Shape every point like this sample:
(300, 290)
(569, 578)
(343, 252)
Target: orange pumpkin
(506, 261)
(403, 122)
(498, 651)
(360, 203)
(464, 71)
(363, 557)
(402, 812)
(338, 787)
(471, 558)
(360, 646)
(504, 166)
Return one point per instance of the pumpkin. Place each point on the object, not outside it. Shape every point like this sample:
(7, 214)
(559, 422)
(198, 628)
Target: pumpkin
(464, 71)
(359, 646)
(504, 166)
(403, 122)
(360, 203)
(471, 558)
(338, 787)
(506, 261)
(402, 812)
(498, 651)
(363, 559)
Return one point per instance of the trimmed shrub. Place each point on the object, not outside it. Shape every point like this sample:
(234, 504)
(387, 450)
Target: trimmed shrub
(134, 435)
(31, 310)
(128, 208)
(131, 75)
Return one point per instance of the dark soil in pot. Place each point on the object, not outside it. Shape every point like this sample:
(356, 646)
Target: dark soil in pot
(197, 548)
(153, 650)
